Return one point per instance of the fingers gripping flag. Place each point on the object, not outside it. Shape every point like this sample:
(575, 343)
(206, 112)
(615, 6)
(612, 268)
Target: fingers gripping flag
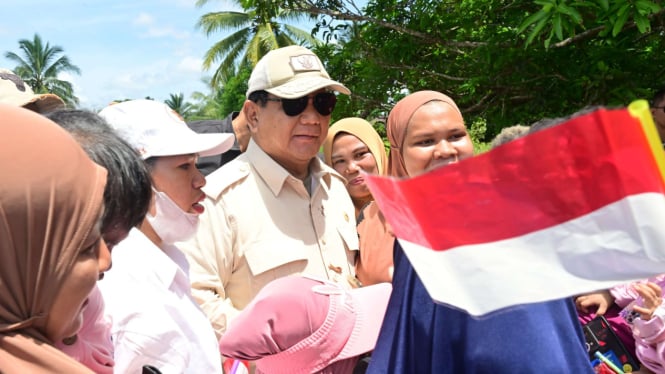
(570, 209)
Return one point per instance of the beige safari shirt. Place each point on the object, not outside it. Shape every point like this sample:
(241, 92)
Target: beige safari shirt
(260, 223)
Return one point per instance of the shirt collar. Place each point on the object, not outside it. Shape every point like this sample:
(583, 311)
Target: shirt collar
(276, 177)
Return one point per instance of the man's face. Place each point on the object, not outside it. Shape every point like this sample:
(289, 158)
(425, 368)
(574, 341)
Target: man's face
(292, 141)
(658, 113)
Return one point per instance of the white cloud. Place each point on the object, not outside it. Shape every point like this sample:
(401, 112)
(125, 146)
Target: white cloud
(216, 5)
(153, 28)
(79, 90)
(190, 64)
(124, 49)
(158, 32)
(137, 80)
(144, 19)
(185, 3)
(66, 76)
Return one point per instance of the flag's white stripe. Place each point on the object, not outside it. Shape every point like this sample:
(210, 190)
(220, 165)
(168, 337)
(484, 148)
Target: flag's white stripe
(620, 242)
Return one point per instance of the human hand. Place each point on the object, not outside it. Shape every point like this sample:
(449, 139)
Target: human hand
(652, 298)
(601, 300)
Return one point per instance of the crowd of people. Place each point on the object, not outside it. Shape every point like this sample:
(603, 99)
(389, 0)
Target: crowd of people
(134, 242)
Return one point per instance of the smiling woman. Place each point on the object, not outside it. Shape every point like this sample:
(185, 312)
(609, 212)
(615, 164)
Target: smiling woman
(436, 136)
(51, 252)
(426, 130)
(352, 145)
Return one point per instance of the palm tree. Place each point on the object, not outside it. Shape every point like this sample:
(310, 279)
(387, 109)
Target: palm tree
(41, 66)
(260, 29)
(178, 104)
(206, 105)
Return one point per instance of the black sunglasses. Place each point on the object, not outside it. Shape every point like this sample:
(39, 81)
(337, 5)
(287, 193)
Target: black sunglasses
(324, 103)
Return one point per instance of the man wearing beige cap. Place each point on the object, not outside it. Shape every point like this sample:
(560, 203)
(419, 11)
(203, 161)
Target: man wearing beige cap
(14, 91)
(276, 209)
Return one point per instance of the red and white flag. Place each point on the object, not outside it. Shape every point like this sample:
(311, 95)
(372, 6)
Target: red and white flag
(566, 210)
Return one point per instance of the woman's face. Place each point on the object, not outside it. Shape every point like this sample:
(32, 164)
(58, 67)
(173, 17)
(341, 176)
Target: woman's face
(435, 136)
(66, 315)
(178, 177)
(349, 155)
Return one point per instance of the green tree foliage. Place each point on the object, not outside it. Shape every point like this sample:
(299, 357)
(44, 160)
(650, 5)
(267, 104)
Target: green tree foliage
(221, 100)
(233, 96)
(206, 105)
(178, 104)
(500, 62)
(566, 21)
(40, 66)
(260, 28)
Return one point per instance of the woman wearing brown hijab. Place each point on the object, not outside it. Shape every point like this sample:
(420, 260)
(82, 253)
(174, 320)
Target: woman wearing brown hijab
(51, 252)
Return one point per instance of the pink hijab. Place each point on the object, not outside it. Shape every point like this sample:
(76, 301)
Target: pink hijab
(398, 121)
(50, 199)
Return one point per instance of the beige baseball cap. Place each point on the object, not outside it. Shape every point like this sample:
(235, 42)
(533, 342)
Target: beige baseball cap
(291, 72)
(14, 91)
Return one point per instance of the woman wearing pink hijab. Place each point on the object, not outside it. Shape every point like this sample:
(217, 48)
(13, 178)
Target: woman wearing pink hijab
(51, 251)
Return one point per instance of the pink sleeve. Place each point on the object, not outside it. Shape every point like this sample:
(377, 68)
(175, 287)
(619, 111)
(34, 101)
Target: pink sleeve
(623, 294)
(650, 340)
(93, 346)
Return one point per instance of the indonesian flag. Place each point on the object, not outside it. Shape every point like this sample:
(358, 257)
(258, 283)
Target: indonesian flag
(566, 210)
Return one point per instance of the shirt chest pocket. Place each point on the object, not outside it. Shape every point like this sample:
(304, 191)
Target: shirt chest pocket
(349, 236)
(268, 261)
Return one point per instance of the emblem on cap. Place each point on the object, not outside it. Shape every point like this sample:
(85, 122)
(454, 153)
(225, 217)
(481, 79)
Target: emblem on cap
(305, 63)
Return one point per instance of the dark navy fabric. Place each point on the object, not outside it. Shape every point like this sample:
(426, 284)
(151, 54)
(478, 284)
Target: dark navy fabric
(419, 336)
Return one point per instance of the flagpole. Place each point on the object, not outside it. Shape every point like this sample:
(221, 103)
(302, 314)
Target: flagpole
(640, 110)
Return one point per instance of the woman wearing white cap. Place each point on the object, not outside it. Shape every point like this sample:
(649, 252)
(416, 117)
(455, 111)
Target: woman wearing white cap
(155, 320)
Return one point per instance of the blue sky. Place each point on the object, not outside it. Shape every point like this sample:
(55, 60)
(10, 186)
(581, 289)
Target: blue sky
(125, 49)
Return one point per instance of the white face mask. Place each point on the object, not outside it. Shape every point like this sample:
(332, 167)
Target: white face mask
(171, 223)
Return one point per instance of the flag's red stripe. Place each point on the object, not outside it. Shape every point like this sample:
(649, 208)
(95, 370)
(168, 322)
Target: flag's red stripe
(547, 178)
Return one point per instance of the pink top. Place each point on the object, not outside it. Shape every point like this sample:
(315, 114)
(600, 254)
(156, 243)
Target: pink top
(93, 347)
(649, 335)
